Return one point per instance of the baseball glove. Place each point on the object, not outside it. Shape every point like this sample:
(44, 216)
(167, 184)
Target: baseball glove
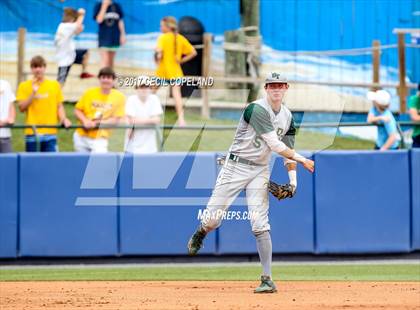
(281, 191)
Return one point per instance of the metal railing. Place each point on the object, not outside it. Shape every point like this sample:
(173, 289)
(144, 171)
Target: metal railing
(159, 128)
(209, 127)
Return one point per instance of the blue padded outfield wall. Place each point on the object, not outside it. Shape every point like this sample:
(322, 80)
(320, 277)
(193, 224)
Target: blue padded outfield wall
(8, 205)
(415, 190)
(362, 202)
(158, 226)
(68, 204)
(50, 223)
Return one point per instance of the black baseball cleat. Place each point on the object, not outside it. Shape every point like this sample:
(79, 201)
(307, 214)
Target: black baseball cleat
(196, 241)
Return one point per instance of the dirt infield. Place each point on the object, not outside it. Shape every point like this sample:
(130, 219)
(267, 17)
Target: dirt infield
(208, 295)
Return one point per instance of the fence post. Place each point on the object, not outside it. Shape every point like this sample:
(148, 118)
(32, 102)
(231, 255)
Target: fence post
(402, 88)
(205, 108)
(21, 55)
(250, 17)
(376, 62)
(235, 60)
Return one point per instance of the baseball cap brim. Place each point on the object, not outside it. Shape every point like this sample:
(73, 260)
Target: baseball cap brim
(276, 82)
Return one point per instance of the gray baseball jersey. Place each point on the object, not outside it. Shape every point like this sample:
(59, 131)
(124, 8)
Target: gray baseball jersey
(259, 118)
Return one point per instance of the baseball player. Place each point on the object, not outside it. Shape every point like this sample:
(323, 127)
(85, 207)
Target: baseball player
(265, 126)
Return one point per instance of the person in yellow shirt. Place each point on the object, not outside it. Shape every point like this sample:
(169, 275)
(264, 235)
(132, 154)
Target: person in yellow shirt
(101, 105)
(172, 50)
(42, 100)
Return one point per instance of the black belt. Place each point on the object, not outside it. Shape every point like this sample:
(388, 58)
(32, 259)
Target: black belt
(241, 160)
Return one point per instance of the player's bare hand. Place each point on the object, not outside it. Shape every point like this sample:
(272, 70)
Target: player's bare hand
(10, 120)
(309, 165)
(88, 124)
(385, 119)
(98, 122)
(35, 87)
(123, 39)
(66, 123)
(81, 12)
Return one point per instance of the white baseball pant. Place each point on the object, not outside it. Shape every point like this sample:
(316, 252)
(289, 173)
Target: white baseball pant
(232, 179)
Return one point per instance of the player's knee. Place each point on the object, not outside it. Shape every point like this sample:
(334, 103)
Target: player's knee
(260, 232)
(211, 224)
(259, 227)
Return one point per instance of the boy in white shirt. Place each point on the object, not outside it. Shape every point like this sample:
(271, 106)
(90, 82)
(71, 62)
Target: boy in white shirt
(7, 115)
(66, 52)
(142, 109)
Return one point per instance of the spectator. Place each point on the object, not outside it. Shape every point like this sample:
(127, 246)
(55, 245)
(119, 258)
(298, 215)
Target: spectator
(388, 137)
(142, 109)
(7, 115)
(109, 15)
(66, 52)
(414, 106)
(97, 106)
(172, 50)
(42, 100)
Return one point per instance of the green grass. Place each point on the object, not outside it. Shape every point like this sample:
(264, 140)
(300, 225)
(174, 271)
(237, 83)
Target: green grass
(391, 272)
(182, 140)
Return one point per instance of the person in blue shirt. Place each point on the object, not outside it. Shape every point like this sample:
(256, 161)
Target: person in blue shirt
(109, 16)
(388, 136)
